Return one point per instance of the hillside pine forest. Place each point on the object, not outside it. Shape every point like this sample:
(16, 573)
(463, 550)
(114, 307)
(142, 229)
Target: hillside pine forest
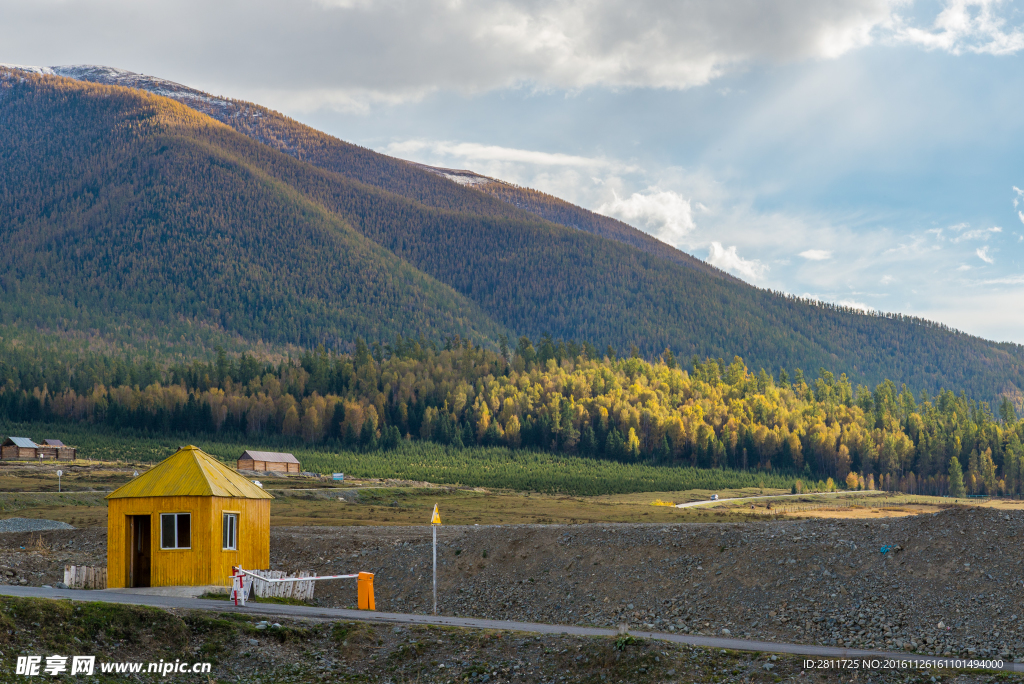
(138, 225)
(559, 397)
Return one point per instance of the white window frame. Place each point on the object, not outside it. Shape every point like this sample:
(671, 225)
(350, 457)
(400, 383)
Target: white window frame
(191, 532)
(233, 517)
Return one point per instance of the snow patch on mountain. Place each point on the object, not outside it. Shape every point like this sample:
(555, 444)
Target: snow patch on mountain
(460, 176)
(104, 75)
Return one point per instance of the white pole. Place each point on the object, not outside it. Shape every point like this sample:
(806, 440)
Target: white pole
(434, 528)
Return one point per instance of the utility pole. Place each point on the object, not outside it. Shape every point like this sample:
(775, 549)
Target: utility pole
(435, 521)
(59, 473)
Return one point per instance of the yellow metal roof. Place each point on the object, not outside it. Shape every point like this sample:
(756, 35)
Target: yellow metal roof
(190, 472)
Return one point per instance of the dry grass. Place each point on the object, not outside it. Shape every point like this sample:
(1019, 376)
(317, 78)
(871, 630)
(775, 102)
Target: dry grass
(377, 503)
(865, 513)
(412, 506)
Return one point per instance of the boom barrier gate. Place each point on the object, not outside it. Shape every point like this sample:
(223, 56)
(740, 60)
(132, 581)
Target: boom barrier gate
(242, 581)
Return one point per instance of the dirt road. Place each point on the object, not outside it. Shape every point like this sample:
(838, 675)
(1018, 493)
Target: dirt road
(310, 612)
(740, 499)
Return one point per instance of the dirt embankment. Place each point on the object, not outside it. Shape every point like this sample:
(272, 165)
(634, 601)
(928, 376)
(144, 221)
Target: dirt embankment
(949, 584)
(243, 648)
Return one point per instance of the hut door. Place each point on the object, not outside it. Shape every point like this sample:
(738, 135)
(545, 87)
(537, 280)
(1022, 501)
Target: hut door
(140, 551)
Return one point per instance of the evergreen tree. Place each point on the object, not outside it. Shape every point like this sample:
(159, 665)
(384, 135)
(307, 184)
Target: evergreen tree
(1007, 412)
(633, 444)
(368, 435)
(588, 441)
(956, 479)
(663, 452)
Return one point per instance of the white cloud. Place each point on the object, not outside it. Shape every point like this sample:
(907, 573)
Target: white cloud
(851, 303)
(665, 214)
(887, 279)
(816, 254)
(1020, 214)
(353, 54)
(728, 259)
(854, 305)
(1007, 280)
(473, 152)
(983, 254)
(978, 234)
(966, 26)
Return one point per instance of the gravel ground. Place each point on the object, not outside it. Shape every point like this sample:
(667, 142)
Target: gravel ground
(949, 584)
(32, 525)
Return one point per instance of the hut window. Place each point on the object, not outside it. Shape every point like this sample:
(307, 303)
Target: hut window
(230, 531)
(175, 531)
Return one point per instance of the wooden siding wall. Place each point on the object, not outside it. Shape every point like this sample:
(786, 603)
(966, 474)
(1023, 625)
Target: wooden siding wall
(263, 466)
(16, 453)
(206, 562)
(57, 453)
(253, 537)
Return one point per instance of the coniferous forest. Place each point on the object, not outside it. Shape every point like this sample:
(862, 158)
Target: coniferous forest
(551, 396)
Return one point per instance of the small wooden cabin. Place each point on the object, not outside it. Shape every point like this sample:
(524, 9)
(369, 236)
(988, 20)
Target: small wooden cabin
(186, 522)
(56, 450)
(18, 449)
(268, 460)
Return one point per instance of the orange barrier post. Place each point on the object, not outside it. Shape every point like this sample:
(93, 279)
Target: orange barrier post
(365, 583)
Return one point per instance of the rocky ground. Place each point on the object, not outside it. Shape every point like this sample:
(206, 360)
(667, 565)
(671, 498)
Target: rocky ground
(251, 651)
(947, 583)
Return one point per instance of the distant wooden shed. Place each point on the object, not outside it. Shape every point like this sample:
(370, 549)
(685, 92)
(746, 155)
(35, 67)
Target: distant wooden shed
(18, 449)
(268, 460)
(56, 449)
(186, 522)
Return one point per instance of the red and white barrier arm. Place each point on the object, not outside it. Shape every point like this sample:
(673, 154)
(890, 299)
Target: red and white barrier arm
(241, 582)
(297, 579)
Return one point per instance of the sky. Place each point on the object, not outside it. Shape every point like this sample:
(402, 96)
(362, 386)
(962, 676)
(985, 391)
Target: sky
(866, 152)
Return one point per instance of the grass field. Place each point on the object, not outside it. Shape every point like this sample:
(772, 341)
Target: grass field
(492, 467)
(306, 501)
(865, 505)
(303, 501)
(472, 486)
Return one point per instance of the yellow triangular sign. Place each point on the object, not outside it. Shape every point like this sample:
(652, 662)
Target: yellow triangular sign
(436, 519)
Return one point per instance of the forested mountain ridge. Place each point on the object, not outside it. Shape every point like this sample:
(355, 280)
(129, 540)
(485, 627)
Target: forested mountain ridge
(105, 214)
(425, 184)
(126, 209)
(551, 208)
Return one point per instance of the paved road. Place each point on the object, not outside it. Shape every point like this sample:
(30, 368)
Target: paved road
(312, 612)
(774, 496)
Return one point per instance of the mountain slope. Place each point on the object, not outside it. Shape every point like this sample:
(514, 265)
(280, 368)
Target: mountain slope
(555, 210)
(110, 195)
(126, 209)
(425, 184)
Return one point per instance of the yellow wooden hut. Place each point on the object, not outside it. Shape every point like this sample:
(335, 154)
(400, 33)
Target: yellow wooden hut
(186, 522)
